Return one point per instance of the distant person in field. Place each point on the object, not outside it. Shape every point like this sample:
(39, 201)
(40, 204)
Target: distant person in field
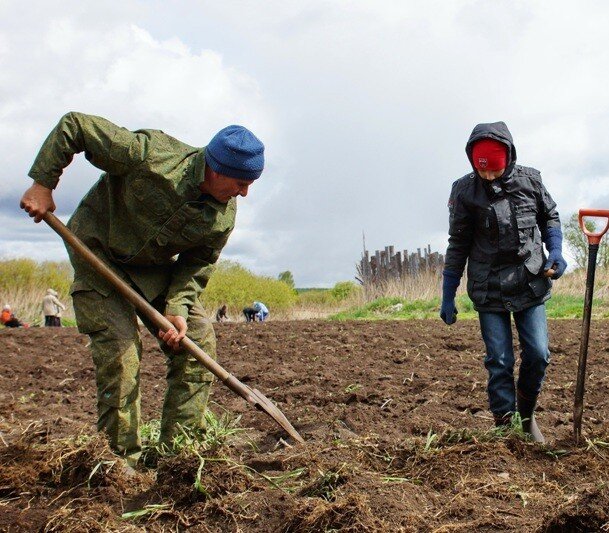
(250, 314)
(8, 318)
(500, 216)
(52, 308)
(261, 311)
(221, 314)
(159, 215)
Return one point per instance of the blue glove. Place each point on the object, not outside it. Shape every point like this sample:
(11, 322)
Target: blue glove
(553, 239)
(450, 282)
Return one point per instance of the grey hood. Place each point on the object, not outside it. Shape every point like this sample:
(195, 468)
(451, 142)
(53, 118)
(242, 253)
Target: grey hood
(494, 130)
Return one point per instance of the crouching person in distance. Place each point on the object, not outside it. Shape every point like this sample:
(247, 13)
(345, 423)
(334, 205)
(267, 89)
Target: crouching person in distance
(159, 216)
(499, 216)
(250, 314)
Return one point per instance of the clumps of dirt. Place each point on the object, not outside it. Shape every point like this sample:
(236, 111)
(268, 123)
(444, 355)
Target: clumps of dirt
(396, 426)
(85, 515)
(289, 490)
(349, 513)
(34, 460)
(327, 483)
(188, 478)
(176, 477)
(68, 484)
(20, 465)
(586, 512)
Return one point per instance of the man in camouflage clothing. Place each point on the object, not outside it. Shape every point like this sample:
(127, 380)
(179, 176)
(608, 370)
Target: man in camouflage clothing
(159, 215)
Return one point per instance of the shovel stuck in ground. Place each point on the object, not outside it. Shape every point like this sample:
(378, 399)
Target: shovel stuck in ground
(594, 240)
(253, 396)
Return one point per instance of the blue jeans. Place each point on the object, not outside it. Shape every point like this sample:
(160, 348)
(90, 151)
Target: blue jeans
(532, 327)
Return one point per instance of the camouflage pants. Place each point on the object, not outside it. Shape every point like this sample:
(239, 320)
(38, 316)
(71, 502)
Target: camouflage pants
(111, 323)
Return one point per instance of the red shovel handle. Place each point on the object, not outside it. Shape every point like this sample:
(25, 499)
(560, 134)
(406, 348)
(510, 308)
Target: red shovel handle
(593, 238)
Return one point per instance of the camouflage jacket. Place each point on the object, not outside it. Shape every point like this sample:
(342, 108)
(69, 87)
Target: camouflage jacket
(145, 216)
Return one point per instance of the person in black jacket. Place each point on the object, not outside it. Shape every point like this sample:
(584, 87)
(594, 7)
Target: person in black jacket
(499, 216)
(250, 314)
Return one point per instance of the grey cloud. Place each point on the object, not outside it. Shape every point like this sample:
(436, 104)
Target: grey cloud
(365, 111)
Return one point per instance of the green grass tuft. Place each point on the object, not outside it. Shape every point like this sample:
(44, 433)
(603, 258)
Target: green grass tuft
(217, 432)
(394, 308)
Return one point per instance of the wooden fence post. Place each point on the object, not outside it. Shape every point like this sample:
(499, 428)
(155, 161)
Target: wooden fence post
(388, 264)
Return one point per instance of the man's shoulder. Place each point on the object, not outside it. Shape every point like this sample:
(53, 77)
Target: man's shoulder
(163, 142)
(527, 172)
(167, 157)
(464, 183)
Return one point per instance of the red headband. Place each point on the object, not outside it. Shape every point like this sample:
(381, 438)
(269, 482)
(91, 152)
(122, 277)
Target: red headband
(489, 154)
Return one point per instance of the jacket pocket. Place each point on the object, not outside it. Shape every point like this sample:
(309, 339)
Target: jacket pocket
(477, 282)
(201, 222)
(526, 227)
(527, 230)
(152, 196)
(531, 249)
(535, 261)
(539, 285)
(194, 232)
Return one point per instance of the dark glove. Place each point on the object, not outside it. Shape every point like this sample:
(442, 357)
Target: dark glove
(450, 282)
(553, 239)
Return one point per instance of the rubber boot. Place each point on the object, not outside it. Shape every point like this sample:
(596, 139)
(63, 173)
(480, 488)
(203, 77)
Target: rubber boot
(526, 408)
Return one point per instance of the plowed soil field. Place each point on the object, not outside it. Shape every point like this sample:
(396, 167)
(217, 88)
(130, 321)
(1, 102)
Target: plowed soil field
(395, 420)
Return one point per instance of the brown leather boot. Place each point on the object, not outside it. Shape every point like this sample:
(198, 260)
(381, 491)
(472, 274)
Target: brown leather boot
(526, 408)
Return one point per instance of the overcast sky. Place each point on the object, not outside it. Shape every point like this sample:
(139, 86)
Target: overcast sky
(364, 108)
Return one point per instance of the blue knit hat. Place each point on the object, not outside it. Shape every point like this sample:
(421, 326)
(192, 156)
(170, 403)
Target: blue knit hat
(236, 152)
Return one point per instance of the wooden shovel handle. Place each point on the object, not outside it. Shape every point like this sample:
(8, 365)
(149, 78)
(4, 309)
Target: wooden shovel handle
(254, 397)
(131, 295)
(593, 238)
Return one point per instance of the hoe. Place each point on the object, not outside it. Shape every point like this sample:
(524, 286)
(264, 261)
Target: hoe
(252, 396)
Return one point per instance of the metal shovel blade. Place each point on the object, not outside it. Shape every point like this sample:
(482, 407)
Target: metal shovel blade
(266, 405)
(262, 403)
